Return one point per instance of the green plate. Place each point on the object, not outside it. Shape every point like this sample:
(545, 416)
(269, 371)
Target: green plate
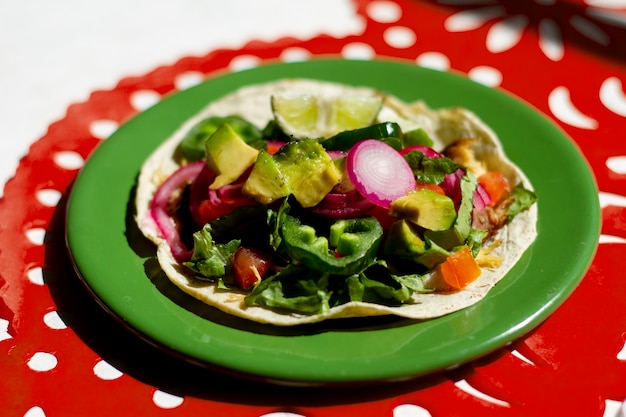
(119, 269)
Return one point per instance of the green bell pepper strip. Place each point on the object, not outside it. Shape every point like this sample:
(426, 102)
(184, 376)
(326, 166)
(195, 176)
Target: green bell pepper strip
(388, 132)
(417, 137)
(357, 241)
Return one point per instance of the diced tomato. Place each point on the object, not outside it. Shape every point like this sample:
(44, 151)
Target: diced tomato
(382, 215)
(496, 186)
(208, 211)
(429, 186)
(249, 266)
(458, 271)
(273, 147)
(224, 201)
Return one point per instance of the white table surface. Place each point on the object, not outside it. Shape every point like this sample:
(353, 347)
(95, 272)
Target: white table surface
(55, 53)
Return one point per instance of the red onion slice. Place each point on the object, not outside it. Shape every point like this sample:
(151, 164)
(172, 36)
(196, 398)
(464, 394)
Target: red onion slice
(160, 202)
(379, 172)
(481, 198)
(343, 205)
(451, 185)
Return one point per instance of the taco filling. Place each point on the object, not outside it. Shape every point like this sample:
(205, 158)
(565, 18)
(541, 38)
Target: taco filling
(298, 201)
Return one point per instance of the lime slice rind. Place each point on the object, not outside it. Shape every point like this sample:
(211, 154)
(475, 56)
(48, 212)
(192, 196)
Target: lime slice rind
(310, 116)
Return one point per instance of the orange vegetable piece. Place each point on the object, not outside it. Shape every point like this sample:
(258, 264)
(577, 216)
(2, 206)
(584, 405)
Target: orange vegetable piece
(496, 186)
(458, 271)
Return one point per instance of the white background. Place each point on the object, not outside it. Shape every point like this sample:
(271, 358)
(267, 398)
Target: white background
(55, 53)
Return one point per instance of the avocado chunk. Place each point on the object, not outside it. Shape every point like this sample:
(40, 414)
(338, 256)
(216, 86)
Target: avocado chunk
(302, 168)
(228, 155)
(425, 208)
(433, 255)
(192, 146)
(310, 172)
(404, 240)
(460, 231)
(266, 183)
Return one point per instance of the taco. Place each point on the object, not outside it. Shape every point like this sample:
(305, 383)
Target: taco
(298, 201)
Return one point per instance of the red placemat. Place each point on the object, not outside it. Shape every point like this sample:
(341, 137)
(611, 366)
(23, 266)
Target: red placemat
(61, 355)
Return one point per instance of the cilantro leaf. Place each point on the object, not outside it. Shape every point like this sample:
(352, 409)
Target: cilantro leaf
(430, 170)
(211, 261)
(295, 288)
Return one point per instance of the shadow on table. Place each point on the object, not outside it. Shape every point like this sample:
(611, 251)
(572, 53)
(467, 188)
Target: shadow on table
(130, 354)
(597, 30)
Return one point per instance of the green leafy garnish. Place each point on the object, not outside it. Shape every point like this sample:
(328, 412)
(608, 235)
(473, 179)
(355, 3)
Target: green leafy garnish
(211, 261)
(522, 200)
(430, 170)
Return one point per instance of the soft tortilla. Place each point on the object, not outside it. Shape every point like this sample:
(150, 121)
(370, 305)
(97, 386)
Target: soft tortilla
(444, 126)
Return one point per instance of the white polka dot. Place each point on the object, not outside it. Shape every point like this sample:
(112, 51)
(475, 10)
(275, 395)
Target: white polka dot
(106, 371)
(48, 197)
(54, 321)
(610, 199)
(410, 410)
(35, 275)
(35, 412)
(590, 30)
(465, 386)
(188, 79)
(608, 239)
(551, 39)
(358, 50)
(471, 19)
(69, 160)
(144, 99)
(486, 75)
(617, 164)
(613, 96)
(384, 11)
(36, 235)
(244, 62)
(166, 400)
(4, 330)
(295, 55)
(612, 408)
(434, 60)
(400, 37)
(42, 362)
(561, 105)
(505, 34)
(102, 129)
(521, 357)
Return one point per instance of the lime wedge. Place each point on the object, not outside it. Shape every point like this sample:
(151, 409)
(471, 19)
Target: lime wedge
(311, 116)
(297, 114)
(349, 113)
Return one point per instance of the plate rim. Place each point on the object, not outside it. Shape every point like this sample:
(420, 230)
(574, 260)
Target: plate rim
(341, 375)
